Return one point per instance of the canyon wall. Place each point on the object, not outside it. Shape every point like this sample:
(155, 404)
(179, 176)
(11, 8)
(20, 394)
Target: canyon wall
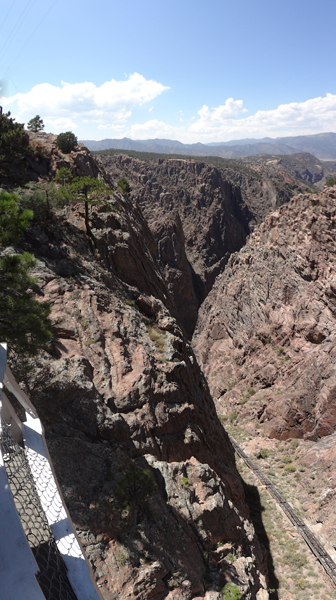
(146, 468)
(199, 214)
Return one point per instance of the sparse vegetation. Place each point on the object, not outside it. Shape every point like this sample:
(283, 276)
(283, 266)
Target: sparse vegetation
(231, 592)
(184, 482)
(263, 453)
(331, 181)
(136, 488)
(233, 416)
(290, 468)
(157, 337)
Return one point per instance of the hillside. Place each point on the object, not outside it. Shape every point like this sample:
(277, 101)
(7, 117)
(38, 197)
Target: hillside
(146, 469)
(321, 145)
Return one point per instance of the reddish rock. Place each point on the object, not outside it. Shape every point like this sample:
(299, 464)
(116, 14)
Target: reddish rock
(199, 214)
(145, 466)
(266, 335)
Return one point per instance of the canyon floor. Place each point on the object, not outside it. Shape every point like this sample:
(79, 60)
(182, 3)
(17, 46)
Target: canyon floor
(294, 571)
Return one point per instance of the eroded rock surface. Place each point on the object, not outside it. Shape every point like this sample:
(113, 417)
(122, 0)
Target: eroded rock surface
(145, 466)
(266, 334)
(199, 215)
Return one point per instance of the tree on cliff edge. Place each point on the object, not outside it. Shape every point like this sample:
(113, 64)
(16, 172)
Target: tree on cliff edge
(82, 189)
(24, 322)
(35, 124)
(66, 142)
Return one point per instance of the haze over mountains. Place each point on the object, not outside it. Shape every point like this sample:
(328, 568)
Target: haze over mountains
(321, 145)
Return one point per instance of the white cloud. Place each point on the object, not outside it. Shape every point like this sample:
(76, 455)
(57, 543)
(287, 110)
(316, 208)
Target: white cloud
(221, 123)
(112, 101)
(94, 111)
(154, 129)
(227, 122)
(222, 113)
(62, 124)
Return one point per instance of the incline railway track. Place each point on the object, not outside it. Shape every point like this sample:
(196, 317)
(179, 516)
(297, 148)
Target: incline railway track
(311, 540)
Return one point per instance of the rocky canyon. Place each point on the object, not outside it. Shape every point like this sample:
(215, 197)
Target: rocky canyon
(205, 296)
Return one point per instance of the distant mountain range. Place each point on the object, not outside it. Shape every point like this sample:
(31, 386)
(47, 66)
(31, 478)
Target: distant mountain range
(321, 145)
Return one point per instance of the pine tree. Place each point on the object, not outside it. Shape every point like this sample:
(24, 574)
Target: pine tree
(24, 321)
(35, 124)
(14, 147)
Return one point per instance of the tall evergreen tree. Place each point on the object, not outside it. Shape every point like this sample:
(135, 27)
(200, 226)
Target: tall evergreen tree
(35, 124)
(24, 321)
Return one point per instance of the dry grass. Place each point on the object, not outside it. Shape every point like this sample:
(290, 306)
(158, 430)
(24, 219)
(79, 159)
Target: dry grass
(157, 337)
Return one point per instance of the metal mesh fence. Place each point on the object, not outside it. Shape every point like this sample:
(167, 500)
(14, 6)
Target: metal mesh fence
(52, 575)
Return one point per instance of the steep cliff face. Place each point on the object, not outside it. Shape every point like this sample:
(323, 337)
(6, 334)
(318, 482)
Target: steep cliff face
(199, 215)
(145, 466)
(266, 334)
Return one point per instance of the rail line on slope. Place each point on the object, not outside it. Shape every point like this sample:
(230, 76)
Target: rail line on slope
(311, 540)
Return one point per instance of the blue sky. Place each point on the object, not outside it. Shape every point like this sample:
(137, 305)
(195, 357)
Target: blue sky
(185, 70)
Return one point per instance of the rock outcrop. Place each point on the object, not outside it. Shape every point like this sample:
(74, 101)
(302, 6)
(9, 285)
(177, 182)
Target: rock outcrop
(199, 214)
(266, 334)
(146, 468)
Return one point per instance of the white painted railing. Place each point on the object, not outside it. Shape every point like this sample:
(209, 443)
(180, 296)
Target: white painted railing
(18, 568)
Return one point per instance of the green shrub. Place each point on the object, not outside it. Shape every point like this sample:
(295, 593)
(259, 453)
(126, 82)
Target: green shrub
(64, 176)
(233, 416)
(24, 321)
(231, 592)
(263, 453)
(290, 469)
(135, 488)
(184, 482)
(124, 186)
(331, 181)
(66, 142)
(281, 350)
(296, 560)
(230, 557)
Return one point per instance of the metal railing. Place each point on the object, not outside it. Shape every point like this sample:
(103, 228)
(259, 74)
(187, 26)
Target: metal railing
(40, 555)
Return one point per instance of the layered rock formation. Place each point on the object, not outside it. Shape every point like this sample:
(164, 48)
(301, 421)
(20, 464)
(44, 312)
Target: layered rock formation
(266, 334)
(199, 215)
(145, 466)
